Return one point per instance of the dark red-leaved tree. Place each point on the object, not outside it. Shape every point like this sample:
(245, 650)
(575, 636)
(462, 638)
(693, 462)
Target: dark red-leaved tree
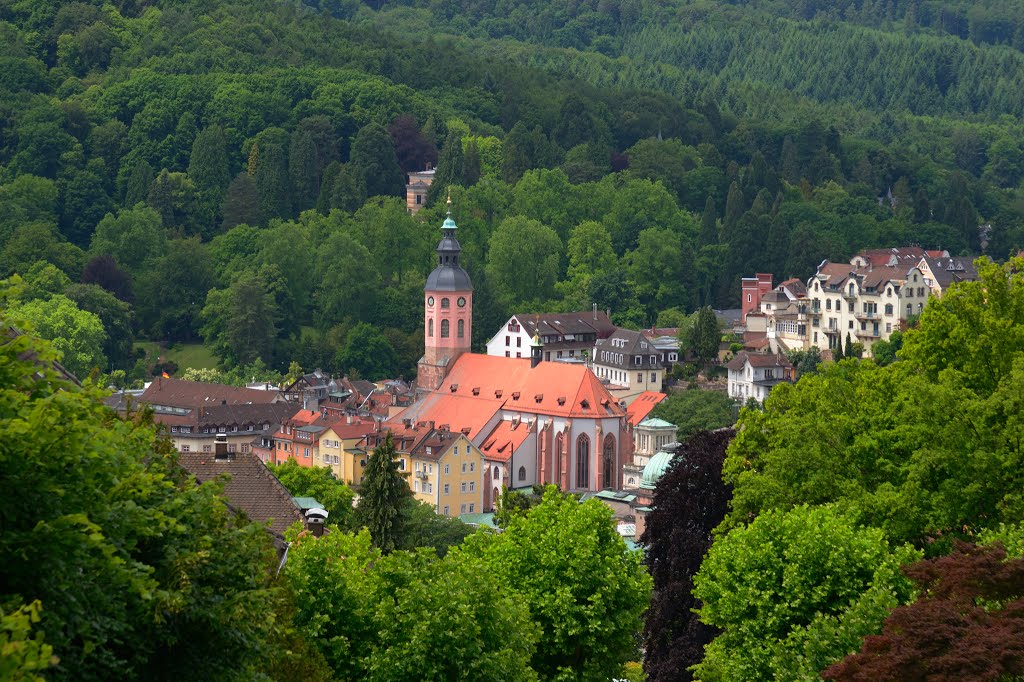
(967, 624)
(689, 502)
(104, 271)
(414, 151)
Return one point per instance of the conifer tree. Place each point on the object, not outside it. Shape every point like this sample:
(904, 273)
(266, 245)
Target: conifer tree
(837, 352)
(373, 153)
(471, 166)
(208, 164)
(139, 180)
(272, 183)
(382, 497)
(790, 161)
(302, 170)
(709, 223)
(734, 206)
(450, 165)
(241, 202)
(848, 349)
(323, 200)
(349, 191)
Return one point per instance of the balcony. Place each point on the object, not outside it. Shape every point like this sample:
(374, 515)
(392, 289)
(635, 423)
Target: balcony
(869, 333)
(861, 315)
(831, 330)
(422, 474)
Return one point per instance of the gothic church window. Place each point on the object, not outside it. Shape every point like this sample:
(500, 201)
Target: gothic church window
(445, 331)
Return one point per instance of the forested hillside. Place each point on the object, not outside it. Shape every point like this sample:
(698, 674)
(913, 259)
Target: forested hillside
(231, 174)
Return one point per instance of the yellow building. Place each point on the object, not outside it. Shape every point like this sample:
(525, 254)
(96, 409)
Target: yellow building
(448, 473)
(340, 448)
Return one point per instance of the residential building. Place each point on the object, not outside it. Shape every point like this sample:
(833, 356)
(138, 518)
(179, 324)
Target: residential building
(339, 447)
(754, 376)
(564, 336)
(639, 407)
(449, 474)
(942, 272)
(295, 440)
(630, 360)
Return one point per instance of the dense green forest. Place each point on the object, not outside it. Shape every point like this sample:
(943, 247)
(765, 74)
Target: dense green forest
(232, 174)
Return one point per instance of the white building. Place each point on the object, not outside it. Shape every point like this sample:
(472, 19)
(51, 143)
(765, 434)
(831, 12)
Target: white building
(630, 360)
(754, 376)
(564, 336)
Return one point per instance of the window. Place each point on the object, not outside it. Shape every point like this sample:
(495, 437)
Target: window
(748, 298)
(416, 486)
(910, 309)
(446, 469)
(401, 465)
(508, 354)
(582, 462)
(245, 447)
(232, 448)
(207, 448)
(463, 486)
(851, 324)
(174, 429)
(430, 468)
(472, 467)
(456, 450)
(419, 199)
(447, 510)
(472, 486)
(640, 377)
(518, 354)
(654, 377)
(828, 304)
(497, 474)
(471, 507)
(184, 448)
(430, 487)
(461, 326)
(463, 467)
(445, 329)
(447, 488)
(888, 308)
(519, 342)
(463, 509)
(305, 452)
(430, 327)
(446, 303)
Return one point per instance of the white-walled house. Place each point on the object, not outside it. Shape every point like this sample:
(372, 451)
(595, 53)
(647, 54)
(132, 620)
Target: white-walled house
(564, 336)
(754, 376)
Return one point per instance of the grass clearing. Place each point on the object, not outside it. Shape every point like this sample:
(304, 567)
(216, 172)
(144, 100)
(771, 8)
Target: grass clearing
(184, 354)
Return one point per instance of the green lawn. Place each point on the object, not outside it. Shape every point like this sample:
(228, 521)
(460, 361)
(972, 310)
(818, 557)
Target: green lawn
(185, 354)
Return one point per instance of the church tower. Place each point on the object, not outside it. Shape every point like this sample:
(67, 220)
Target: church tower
(448, 310)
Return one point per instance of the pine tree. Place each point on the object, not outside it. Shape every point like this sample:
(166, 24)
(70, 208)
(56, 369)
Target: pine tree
(208, 164)
(709, 223)
(382, 497)
(450, 166)
(241, 202)
(837, 352)
(184, 138)
(516, 153)
(349, 192)
(253, 161)
(140, 178)
(790, 161)
(302, 171)
(161, 198)
(373, 153)
(734, 206)
(471, 167)
(848, 350)
(272, 183)
(323, 200)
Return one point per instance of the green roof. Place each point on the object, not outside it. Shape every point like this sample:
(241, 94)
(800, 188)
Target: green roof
(486, 520)
(655, 423)
(307, 503)
(655, 469)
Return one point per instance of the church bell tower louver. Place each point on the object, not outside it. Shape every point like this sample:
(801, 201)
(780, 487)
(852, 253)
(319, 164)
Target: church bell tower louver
(447, 308)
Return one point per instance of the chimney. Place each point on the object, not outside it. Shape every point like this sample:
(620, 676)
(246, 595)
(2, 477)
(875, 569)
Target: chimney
(315, 519)
(595, 311)
(220, 448)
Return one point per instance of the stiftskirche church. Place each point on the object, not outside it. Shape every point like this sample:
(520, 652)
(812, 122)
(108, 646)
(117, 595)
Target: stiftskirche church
(534, 421)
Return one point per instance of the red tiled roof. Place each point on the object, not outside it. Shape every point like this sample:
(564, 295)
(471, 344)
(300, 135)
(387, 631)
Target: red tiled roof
(642, 405)
(554, 388)
(757, 360)
(506, 437)
(181, 393)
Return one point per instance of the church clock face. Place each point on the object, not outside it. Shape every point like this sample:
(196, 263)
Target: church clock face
(430, 300)
(461, 302)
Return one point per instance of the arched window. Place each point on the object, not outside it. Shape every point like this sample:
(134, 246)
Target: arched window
(556, 475)
(582, 462)
(445, 303)
(608, 465)
(430, 327)
(495, 497)
(522, 473)
(461, 325)
(445, 332)
(497, 473)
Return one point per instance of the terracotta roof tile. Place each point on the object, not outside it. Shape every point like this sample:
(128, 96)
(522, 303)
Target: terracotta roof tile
(504, 440)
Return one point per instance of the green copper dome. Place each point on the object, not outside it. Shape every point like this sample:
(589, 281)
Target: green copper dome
(448, 224)
(655, 469)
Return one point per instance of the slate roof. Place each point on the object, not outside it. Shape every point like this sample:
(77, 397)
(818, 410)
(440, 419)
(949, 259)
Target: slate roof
(963, 270)
(562, 324)
(181, 393)
(252, 488)
(758, 360)
(631, 344)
